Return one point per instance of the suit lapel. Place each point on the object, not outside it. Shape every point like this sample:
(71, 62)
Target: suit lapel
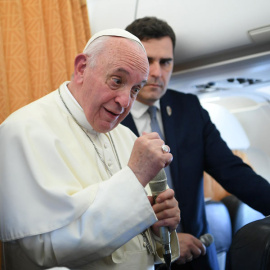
(170, 119)
(129, 122)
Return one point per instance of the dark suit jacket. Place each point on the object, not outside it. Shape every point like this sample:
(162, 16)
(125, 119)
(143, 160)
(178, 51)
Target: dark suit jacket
(196, 146)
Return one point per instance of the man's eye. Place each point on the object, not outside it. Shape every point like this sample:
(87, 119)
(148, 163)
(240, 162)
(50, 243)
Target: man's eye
(166, 62)
(135, 90)
(117, 81)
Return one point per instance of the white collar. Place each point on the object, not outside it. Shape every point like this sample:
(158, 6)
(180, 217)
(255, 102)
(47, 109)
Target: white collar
(75, 108)
(138, 109)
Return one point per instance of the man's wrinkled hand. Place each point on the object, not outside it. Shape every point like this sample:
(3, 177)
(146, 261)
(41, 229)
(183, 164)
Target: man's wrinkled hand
(190, 248)
(167, 211)
(147, 157)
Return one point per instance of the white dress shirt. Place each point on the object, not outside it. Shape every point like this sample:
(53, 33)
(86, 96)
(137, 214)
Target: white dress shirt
(142, 118)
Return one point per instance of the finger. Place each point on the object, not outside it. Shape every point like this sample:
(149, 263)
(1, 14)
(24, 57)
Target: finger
(196, 252)
(197, 249)
(203, 249)
(165, 148)
(151, 135)
(168, 194)
(189, 259)
(171, 219)
(168, 158)
(199, 246)
(166, 213)
(180, 260)
(171, 222)
(166, 208)
(184, 259)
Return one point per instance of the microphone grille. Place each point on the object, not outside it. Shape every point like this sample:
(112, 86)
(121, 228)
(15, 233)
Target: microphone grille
(207, 239)
(160, 176)
(159, 183)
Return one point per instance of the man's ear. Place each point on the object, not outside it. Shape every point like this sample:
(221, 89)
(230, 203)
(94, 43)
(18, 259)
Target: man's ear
(79, 67)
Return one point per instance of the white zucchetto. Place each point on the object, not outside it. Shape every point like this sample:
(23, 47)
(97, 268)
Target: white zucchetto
(117, 32)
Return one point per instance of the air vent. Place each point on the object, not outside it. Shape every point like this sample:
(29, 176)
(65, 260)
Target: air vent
(260, 35)
(226, 84)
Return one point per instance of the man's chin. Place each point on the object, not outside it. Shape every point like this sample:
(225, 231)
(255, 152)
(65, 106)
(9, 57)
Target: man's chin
(154, 88)
(149, 92)
(105, 127)
(149, 99)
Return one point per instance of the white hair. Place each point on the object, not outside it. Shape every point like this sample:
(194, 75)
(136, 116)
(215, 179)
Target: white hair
(96, 47)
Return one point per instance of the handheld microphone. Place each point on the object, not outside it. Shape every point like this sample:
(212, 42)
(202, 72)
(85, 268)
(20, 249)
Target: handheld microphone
(157, 186)
(207, 239)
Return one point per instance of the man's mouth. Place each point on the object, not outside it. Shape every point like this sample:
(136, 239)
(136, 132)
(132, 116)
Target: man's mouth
(154, 84)
(115, 114)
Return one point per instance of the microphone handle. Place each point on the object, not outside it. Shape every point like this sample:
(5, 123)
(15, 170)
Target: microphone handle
(166, 247)
(165, 241)
(157, 186)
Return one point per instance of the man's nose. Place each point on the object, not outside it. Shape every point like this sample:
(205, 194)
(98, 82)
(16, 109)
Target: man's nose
(155, 69)
(123, 97)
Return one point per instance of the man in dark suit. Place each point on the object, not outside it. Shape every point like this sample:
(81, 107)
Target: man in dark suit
(195, 143)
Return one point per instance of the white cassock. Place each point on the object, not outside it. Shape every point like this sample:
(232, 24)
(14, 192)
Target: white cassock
(58, 204)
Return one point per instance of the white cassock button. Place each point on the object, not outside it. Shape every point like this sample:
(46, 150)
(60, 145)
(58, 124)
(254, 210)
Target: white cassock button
(109, 163)
(106, 145)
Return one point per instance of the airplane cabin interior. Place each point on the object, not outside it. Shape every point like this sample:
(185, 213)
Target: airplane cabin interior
(222, 55)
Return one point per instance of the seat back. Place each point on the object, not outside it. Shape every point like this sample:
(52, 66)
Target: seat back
(240, 213)
(250, 248)
(219, 222)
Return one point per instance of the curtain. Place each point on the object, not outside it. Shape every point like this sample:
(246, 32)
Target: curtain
(39, 40)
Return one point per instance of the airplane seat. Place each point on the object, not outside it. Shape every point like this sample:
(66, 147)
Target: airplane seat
(250, 248)
(0, 255)
(240, 213)
(219, 222)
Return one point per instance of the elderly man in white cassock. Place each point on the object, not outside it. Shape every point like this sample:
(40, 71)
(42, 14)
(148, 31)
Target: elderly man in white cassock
(74, 182)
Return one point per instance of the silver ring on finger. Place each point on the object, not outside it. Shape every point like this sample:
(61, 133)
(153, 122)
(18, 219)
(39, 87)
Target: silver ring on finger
(165, 148)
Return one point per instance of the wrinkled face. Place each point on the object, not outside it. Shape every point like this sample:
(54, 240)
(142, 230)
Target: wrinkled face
(160, 57)
(109, 88)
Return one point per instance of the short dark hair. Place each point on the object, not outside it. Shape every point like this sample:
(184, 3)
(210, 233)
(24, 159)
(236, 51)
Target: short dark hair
(151, 27)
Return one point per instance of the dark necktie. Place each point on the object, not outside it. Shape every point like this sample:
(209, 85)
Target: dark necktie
(152, 110)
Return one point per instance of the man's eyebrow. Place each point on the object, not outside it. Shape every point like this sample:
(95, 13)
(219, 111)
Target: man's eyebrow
(166, 59)
(122, 70)
(126, 72)
(161, 59)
